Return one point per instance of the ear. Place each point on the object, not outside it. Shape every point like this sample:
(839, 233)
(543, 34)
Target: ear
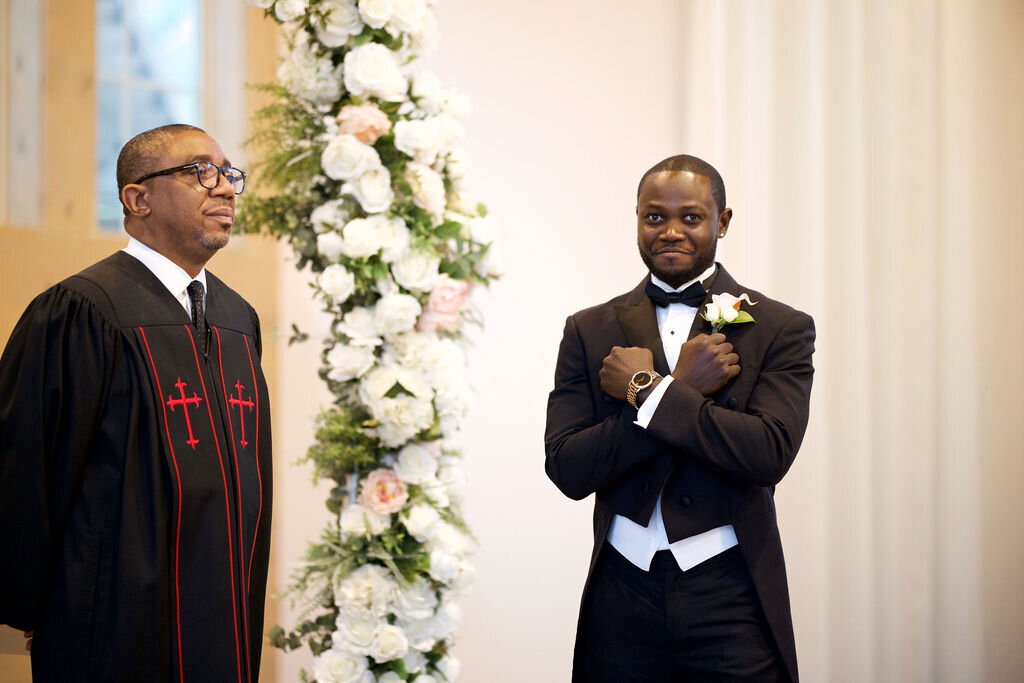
(136, 200)
(723, 222)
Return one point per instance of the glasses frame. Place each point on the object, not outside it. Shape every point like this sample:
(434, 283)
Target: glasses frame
(221, 173)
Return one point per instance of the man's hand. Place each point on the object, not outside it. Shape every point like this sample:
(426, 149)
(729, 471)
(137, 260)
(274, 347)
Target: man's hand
(706, 363)
(619, 367)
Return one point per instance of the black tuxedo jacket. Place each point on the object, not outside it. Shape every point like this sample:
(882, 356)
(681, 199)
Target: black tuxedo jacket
(718, 457)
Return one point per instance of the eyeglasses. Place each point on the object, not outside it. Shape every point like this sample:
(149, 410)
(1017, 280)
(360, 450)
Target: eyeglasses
(209, 175)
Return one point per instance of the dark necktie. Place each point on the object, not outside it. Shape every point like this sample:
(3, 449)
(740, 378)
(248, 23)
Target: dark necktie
(195, 295)
(692, 296)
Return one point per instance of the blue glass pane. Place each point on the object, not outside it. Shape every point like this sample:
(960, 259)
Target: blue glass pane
(111, 38)
(152, 108)
(164, 41)
(109, 106)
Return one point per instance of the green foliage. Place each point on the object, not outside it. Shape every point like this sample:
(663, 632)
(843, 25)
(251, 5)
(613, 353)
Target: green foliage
(342, 444)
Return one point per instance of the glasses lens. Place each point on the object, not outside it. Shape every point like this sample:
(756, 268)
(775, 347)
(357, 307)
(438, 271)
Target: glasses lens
(208, 174)
(236, 177)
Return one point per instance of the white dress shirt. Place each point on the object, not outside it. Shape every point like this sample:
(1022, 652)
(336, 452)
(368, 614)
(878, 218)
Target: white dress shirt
(173, 277)
(636, 543)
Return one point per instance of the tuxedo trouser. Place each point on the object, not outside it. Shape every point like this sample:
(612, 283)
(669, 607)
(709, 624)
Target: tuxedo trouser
(704, 624)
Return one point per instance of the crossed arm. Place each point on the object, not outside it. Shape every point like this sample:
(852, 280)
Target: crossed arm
(585, 454)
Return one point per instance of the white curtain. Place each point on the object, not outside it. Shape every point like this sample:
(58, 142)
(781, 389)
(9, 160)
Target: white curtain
(870, 151)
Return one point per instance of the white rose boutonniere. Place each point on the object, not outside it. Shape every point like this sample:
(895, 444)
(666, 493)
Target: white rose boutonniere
(724, 309)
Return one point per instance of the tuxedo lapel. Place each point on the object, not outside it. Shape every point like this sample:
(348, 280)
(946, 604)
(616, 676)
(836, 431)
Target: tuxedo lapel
(640, 325)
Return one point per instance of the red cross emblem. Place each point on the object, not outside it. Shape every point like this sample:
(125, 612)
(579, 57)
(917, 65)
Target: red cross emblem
(240, 403)
(185, 403)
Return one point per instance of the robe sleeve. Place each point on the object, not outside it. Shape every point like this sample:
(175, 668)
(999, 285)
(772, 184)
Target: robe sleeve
(54, 379)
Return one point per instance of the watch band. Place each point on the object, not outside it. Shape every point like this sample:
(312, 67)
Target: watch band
(638, 382)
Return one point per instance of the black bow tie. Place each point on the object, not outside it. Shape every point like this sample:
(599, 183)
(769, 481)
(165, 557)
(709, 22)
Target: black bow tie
(692, 296)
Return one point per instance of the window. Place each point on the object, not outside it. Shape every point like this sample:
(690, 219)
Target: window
(21, 108)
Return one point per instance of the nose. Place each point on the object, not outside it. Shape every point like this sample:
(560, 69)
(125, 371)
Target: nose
(674, 230)
(224, 187)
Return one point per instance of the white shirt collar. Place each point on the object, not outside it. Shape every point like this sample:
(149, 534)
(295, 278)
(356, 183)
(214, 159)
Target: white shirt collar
(170, 274)
(664, 285)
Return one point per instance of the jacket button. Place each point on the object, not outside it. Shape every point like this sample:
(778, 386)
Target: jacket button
(685, 500)
(731, 403)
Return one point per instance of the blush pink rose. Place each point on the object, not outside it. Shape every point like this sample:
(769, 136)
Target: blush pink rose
(365, 122)
(383, 492)
(448, 298)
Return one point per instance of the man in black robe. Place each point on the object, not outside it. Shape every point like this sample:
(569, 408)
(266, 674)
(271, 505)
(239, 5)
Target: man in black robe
(135, 463)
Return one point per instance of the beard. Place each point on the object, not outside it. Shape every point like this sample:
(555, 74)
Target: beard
(673, 278)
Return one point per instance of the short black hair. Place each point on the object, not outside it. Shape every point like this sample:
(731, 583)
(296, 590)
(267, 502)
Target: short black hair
(685, 162)
(139, 154)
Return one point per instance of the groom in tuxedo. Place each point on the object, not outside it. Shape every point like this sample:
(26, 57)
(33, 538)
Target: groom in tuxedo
(683, 433)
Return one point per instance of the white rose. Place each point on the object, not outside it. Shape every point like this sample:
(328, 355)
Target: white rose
(418, 139)
(463, 581)
(402, 418)
(395, 313)
(443, 567)
(484, 230)
(372, 70)
(421, 521)
(489, 264)
(449, 131)
(458, 104)
(427, 188)
(370, 586)
(453, 478)
(356, 520)
(389, 677)
(419, 350)
(458, 164)
(334, 666)
(348, 362)
(376, 13)
(310, 76)
(427, 91)
(337, 282)
(414, 661)
(262, 4)
(372, 190)
(417, 271)
(356, 628)
(424, 40)
(420, 633)
(436, 493)
(328, 215)
(416, 601)
(329, 244)
(360, 327)
(425, 678)
(389, 643)
(450, 540)
(361, 238)
(449, 667)
(416, 464)
(394, 237)
(408, 15)
(289, 10)
(447, 619)
(346, 158)
(341, 20)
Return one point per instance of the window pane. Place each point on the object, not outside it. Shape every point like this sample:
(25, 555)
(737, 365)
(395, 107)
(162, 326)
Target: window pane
(164, 42)
(152, 108)
(111, 38)
(109, 124)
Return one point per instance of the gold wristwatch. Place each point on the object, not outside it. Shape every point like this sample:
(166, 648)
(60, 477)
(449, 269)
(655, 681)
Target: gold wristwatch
(638, 382)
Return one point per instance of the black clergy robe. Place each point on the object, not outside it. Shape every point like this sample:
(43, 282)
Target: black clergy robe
(135, 482)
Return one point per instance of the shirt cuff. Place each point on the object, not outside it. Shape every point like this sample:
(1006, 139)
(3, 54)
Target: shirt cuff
(646, 411)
